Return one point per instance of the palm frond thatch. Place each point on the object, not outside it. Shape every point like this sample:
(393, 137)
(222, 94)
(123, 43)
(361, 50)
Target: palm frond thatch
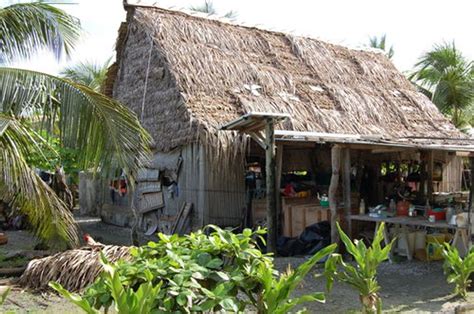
(73, 269)
(23, 188)
(26, 28)
(205, 72)
(107, 134)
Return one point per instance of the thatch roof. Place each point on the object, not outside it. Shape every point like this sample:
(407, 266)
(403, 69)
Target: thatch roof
(200, 73)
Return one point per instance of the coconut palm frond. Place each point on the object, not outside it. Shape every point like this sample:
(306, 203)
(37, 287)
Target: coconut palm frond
(23, 188)
(26, 28)
(107, 134)
(73, 269)
(87, 73)
(380, 43)
(206, 7)
(449, 76)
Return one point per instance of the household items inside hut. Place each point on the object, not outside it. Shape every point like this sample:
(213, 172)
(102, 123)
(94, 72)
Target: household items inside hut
(118, 188)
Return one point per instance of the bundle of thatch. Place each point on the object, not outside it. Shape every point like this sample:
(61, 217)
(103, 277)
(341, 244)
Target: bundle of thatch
(73, 269)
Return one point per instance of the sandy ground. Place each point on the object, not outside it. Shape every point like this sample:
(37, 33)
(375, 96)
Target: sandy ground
(412, 287)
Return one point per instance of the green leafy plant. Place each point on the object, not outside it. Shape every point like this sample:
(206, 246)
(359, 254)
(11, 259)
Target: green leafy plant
(126, 300)
(222, 271)
(276, 294)
(363, 275)
(3, 295)
(458, 269)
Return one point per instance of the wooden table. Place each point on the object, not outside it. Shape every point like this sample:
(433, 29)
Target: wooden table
(461, 234)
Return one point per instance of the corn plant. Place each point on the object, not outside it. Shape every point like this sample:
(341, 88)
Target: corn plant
(363, 275)
(276, 293)
(458, 269)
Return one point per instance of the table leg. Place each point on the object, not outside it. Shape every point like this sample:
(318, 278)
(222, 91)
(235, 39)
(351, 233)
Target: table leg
(404, 238)
(461, 236)
(465, 240)
(456, 238)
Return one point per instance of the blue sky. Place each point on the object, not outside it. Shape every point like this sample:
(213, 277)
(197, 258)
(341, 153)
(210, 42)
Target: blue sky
(412, 27)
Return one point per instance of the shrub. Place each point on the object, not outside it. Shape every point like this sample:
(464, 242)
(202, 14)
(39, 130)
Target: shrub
(458, 269)
(362, 276)
(196, 273)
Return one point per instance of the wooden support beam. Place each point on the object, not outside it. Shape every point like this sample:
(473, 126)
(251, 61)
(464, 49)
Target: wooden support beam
(258, 138)
(332, 193)
(347, 188)
(471, 200)
(429, 178)
(272, 221)
(279, 162)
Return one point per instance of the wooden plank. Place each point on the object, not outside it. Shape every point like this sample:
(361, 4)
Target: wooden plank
(150, 201)
(471, 201)
(201, 187)
(279, 161)
(181, 223)
(347, 188)
(429, 181)
(287, 221)
(402, 220)
(177, 219)
(335, 162)
(257, 137)
(298, 222)
(147, 174)
(270, 156)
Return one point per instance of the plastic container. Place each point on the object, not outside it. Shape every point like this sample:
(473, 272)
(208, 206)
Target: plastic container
(402, 208)
(433, 248)
(439, 214)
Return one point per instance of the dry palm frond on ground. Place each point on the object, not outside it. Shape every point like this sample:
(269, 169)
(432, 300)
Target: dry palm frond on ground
(73, 269)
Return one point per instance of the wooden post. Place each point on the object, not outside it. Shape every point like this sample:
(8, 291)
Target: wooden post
(270, 168)
(336, 163)
(471, 200)
(429, 178)
(279, 161)
(347, 189)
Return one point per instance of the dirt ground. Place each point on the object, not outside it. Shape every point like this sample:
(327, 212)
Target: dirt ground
(409, 287)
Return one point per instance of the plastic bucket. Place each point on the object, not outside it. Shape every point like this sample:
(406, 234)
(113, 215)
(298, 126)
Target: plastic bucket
(433, 248)
(420, 240)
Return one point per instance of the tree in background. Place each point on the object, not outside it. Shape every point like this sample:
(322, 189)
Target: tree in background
(208, 7)
(447, 78)
(87, 73)
(380, 43)
(35, 105)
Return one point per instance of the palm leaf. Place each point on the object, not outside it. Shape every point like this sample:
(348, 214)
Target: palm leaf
(87, 73)
(107, 134)
(26, 28)
(24, 189)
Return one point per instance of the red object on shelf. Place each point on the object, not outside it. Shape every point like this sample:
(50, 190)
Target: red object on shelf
(438, 215)
(402, 208)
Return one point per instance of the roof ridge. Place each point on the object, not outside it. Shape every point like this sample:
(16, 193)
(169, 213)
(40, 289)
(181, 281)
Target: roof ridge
(233, 22)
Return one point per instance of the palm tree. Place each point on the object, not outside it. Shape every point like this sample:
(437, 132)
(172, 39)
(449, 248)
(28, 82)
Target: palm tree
(87, 73)
(447, 78)
(380, 43)
(106, 134)
(208, 7)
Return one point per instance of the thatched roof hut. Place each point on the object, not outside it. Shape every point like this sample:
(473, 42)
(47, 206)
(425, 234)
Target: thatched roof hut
(209, 72)
(186, 75)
